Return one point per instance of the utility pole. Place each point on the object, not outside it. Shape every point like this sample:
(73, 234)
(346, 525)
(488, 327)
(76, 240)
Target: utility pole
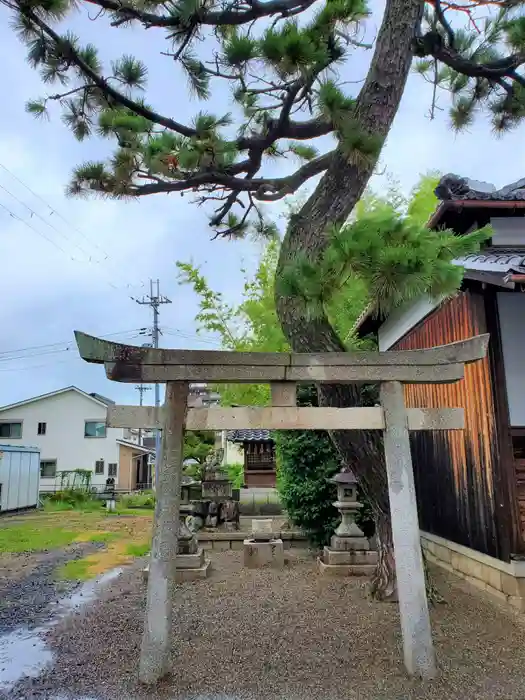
(141, 389)
(154, 299)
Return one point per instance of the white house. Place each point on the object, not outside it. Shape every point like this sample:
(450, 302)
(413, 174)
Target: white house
(69, 428)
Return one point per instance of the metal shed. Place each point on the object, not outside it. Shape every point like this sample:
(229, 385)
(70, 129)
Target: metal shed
(19, 477)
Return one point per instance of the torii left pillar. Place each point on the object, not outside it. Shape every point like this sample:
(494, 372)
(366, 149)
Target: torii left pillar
(157, 635)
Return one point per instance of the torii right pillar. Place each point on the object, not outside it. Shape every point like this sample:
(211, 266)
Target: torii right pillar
(418, 650)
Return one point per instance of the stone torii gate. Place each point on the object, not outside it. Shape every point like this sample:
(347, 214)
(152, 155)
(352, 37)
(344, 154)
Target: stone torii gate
(177, 368)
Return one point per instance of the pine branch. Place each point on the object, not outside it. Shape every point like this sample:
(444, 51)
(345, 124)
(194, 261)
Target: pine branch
(228, 17)
(100, 81)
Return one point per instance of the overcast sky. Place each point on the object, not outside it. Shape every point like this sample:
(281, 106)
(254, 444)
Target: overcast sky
(81, 268)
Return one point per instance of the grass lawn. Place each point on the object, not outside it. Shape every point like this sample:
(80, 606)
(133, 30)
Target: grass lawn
(124, 536)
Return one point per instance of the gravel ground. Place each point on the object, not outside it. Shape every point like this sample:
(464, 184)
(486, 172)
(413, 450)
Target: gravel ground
(282, 635)
(28, 586)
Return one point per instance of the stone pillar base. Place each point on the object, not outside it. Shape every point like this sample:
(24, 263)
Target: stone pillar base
(348, 544)
(190, 567)
(257, 554)
(345, 569)
(334, 557)
(347, 556)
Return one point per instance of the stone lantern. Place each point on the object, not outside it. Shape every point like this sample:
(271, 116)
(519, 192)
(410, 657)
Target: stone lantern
(349, 552)
(348, 506)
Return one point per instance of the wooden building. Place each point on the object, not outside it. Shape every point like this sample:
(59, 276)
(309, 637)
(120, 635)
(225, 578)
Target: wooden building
(259, 456)
(471, 484)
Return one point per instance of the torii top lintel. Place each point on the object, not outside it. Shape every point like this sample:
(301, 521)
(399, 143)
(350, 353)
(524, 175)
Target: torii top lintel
(129, 363)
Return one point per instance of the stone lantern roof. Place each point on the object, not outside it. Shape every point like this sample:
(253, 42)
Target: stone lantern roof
(346, 477)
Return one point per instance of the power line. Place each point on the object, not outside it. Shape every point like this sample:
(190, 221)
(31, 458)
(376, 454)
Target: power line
(47, 223)
(67, 343)
(54, 211)
(50, 240)
(61, 233)
(54, 243)
(175, 332)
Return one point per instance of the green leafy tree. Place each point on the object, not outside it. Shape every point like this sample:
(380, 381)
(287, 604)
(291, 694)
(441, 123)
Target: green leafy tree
(307, 461)
(198, 444)
(283, 61)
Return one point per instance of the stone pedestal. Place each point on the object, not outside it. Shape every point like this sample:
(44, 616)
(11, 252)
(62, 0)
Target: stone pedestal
(349, 553)
(258, 554)
(191, 562)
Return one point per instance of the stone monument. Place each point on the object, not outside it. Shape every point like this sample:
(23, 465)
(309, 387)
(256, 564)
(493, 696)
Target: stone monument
(191, 562)
(217, 507)
(349, 553)
(263, 548)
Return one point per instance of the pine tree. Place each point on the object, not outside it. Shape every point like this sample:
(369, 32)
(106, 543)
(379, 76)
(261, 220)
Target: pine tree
(283, 61)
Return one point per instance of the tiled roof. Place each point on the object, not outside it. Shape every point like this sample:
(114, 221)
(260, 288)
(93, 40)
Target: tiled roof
(498, 260)
(248, 435)
(454, 187)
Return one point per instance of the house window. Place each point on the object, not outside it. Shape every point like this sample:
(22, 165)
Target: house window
(11, 430)
(99, 466)
(112, 469)
(48, 468)
(95, 429)
(42, 428)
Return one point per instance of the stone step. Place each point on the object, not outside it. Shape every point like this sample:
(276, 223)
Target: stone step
(191, 561)
(345, 569)
(336, 557)
(183, 575)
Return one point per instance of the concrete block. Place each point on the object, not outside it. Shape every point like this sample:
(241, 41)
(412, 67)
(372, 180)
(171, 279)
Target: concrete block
(237, 544)
(431, 546)
(191, 561)
(509, 584)
(221, 545)
(345, 569)
(492, 577)
(441, 553)
(456, 561)
(475, 569)
(348, 544)
(258, 554)
(184, 575)
(334, 557)
(206, 544)
(263, 530)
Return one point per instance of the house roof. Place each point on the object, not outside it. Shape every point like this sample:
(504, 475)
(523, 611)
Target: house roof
(494, 266)
(134, 446)
(454, 187)
(461, 199)
(94, 397)
(465, 201)
(248, 435)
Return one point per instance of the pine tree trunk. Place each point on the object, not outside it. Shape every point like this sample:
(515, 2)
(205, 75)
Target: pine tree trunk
(384, 580)
(331, 203)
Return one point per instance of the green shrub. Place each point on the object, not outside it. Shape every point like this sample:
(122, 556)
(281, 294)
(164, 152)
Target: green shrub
(306, 462)
(236, 474)
(70, 499)
(143, 499)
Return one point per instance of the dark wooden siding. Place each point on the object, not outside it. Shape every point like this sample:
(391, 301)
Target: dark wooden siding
(454, 470)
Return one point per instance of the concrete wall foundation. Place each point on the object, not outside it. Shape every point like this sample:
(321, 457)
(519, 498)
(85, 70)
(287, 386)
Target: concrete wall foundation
(504, 581)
